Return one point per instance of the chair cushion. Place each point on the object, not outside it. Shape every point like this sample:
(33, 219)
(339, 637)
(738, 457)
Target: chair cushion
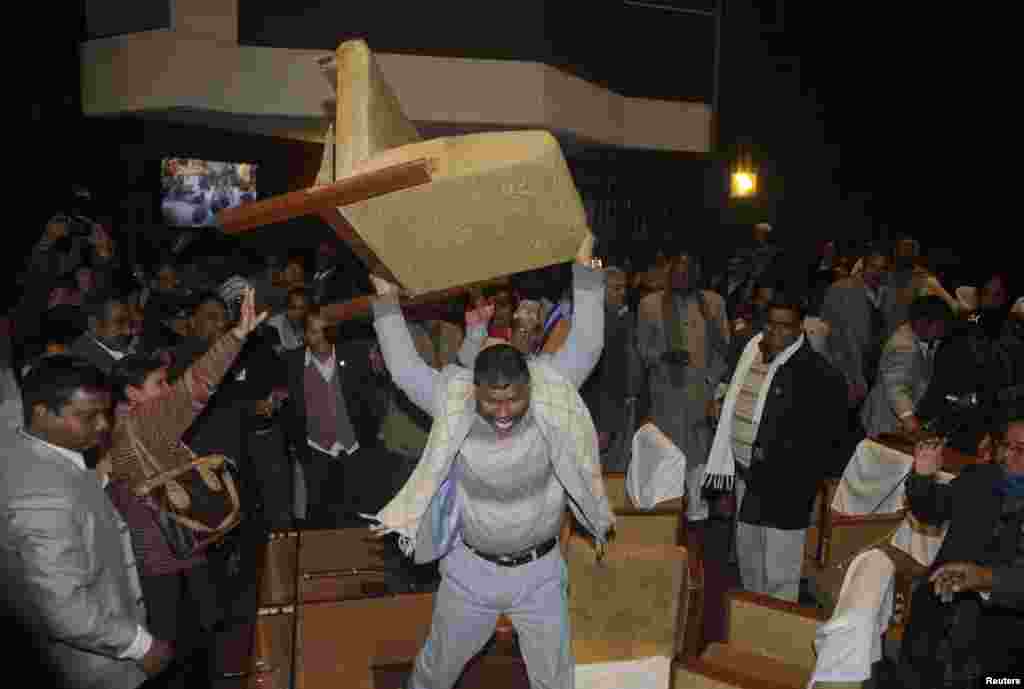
(369, 117)
(626, 606)
(773, 628)
(498, 203)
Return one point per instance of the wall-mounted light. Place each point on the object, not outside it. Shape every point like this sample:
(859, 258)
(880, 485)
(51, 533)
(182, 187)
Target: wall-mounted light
(743, 179)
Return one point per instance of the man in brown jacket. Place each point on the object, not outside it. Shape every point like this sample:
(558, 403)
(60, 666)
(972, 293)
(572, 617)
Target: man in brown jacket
(682, 338)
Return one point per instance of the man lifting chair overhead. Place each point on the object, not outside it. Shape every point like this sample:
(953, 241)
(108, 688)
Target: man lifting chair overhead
(431, 217)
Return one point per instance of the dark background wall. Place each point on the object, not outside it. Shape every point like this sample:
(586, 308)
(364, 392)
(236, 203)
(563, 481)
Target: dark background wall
(637, 51)
(855, 118)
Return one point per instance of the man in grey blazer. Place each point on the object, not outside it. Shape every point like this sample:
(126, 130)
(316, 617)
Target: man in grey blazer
(853, 308)
(66, 551)
(906, 369)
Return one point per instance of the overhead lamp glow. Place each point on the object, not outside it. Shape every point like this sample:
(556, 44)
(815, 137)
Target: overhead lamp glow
(743, 184)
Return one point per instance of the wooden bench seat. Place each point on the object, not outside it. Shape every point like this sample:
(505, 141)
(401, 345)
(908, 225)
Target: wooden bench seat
(729, 666)
(769, 645)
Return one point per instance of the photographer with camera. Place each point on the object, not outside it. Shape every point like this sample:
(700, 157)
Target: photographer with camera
(71, 258)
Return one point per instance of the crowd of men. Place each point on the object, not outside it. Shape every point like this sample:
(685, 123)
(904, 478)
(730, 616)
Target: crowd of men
(766, 383)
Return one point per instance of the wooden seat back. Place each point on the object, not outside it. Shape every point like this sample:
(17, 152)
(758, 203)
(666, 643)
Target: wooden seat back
(338, 564)
(769, 646)
(639, 601)
(278, 569)
(330, 564)
(771, 627)
(659, 526)
(846, 535)
(340, 643)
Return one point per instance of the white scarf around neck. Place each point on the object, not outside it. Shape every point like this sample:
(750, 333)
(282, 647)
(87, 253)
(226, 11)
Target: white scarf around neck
(721, 466)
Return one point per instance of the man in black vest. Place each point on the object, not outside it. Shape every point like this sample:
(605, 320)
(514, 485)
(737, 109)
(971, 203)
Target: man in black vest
(331, 424)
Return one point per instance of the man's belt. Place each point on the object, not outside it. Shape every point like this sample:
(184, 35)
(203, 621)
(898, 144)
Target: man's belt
(520, 558)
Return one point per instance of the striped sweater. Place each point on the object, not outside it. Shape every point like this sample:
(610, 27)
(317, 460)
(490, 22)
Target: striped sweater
(159, 424)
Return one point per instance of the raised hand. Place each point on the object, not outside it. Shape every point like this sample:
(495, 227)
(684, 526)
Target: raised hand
(384, 287)
(248, 320)
(954, 577)
(481, 313)
(585, 254)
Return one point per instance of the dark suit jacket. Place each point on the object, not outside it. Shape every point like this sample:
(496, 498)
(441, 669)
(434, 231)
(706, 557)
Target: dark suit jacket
(619, 374)
(973, 505)
(86, 348)
(223, 426)
(357, 386)
(802, 433)
(984, 528)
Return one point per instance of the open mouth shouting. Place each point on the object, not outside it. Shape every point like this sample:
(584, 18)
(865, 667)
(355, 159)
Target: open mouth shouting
(505, 424)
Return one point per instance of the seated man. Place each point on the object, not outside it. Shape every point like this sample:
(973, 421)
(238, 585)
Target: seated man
(968, 622)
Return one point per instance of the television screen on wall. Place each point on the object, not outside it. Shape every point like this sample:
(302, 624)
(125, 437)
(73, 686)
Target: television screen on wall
(193, 191)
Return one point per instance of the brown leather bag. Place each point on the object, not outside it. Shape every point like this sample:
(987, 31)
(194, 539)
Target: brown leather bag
(197, 503)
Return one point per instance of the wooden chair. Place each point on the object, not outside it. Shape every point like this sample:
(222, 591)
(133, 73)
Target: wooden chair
(843, 535)
(362, 643)
(331, 564)
(268, 663)
(337, 576)
(814, 545)
(341, 564)
(659, 526)
(300, 569)
(770, 645)
(638, 602)
(278, 569)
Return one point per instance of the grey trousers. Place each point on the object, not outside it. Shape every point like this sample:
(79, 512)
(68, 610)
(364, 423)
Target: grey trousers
(473, 592)
(770, 559)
